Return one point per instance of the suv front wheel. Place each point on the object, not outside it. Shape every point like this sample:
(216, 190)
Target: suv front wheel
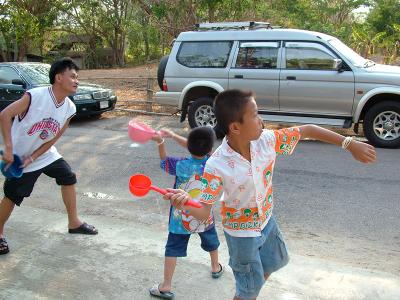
(201, 113)
(382, 124)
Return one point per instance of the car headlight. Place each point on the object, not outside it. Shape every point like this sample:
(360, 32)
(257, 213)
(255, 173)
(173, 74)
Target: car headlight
(82, 97)
(112, 93)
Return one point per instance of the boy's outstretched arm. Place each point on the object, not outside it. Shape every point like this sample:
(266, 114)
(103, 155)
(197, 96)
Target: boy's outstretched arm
(178, 199)
(362, 152)
(161, 146)
(176, 137)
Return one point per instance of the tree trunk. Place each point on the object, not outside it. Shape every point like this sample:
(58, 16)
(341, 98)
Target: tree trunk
(146, 43)
(211, 13)
(118, 46)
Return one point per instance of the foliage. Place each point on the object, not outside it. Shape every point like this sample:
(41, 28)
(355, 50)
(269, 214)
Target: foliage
(23, 24)
(384, 20)
(114, 32)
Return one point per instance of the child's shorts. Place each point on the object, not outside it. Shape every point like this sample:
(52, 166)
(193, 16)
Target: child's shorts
(16, 189)
(177, 243)
(252, 257)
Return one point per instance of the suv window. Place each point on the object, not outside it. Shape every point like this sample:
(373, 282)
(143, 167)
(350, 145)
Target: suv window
(204, 54)
(7, 74)
(263, 55)
(311, 56)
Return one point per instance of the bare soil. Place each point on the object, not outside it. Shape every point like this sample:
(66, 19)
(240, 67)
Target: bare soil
(129, 83)
(133, 86)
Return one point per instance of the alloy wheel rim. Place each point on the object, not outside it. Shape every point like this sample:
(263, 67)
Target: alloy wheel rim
(386, 125)
(204, 116)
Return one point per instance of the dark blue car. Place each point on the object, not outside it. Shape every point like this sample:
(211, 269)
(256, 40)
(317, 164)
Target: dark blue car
(17, 77)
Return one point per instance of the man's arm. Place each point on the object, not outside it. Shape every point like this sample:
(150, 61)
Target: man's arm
(16, 108)
(361, 151)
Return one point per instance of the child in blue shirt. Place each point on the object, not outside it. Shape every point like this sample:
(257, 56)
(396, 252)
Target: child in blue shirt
(187, 172)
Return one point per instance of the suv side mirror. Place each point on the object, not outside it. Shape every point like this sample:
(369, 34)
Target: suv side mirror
(18, 82)
(337, 65)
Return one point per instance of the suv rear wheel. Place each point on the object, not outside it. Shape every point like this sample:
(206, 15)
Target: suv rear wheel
(161, 70)
(201, 113)
(382, 124)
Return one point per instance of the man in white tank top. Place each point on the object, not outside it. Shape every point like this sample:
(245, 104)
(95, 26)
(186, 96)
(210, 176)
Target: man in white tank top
(30, 127)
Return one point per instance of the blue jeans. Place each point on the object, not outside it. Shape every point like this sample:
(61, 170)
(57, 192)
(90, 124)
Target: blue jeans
(177, 243)
(253, 257)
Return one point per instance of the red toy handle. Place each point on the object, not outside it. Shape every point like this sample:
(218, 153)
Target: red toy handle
(188, 203)
(157, 189)
(193, 204)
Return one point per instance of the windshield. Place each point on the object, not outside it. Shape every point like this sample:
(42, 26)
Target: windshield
(356, 59)
(37, 73)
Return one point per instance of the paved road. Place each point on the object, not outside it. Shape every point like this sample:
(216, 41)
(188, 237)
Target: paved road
(340, 219)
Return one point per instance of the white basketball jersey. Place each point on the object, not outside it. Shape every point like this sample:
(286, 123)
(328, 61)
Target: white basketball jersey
(40, 124)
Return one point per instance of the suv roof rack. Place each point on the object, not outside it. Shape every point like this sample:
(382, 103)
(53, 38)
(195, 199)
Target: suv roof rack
(249, 25)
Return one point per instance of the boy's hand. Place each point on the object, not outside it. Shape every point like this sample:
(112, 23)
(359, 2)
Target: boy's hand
(362, 152)
(177, 197)
(168, 133)
(157, 137)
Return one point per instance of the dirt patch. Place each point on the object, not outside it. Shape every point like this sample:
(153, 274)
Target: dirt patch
(128, 83)
(133, 86)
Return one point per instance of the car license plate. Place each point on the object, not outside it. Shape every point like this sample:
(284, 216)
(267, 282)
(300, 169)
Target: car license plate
(103, 104)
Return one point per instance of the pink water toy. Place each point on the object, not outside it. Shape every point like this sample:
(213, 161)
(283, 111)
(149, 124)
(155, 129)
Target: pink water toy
(140, 132)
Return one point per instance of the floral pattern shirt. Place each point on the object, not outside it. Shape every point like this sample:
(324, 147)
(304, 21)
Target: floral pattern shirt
(245, 188)
(187, 173)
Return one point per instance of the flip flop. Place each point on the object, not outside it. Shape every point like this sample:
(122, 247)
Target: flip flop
(4, 249)
(84, 229)
(155, 291)
(217, 274)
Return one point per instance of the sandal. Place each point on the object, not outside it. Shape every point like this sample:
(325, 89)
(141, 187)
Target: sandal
(217, 274)
(155, 291)
(4, 249)
(84, 229)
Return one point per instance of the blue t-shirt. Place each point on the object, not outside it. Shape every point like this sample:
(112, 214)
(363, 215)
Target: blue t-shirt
(188, 172)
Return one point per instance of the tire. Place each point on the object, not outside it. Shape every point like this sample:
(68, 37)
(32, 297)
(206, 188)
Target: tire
(382, 124)
(161, 70)
(201, 113)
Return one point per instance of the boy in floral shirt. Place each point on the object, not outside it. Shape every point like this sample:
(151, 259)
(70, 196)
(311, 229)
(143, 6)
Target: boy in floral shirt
(240, 173)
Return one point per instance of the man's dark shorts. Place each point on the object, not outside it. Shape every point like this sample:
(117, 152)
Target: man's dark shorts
(16, 189)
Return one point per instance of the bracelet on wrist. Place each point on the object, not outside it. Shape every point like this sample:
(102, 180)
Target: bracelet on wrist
(346, 142)
(31, 158)
(160, 143)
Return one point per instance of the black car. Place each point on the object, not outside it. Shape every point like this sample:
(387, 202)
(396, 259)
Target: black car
(17, 77)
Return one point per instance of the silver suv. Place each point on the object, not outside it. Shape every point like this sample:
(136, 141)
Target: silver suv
(298, 77)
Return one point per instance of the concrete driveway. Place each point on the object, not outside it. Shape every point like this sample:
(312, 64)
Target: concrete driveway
(340, 219)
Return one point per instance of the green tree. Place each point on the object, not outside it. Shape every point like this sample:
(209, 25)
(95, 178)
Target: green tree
(23, 24)
(106, 19)
(384, 20)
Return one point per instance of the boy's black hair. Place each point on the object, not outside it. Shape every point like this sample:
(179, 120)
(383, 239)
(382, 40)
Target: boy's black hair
(229, 107)
(201, 140)
(61, 65)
